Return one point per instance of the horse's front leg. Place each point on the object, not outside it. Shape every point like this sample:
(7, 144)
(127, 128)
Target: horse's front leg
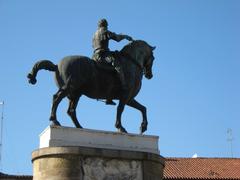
(118, 124)
(143, 110)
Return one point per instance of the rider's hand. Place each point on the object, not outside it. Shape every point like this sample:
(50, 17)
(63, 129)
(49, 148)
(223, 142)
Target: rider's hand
(129, 38)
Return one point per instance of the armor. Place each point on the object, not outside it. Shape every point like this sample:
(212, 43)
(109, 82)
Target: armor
(102, 53)
(100, 45)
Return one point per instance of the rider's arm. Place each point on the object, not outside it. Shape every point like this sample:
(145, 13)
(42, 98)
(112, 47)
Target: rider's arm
(118, 37)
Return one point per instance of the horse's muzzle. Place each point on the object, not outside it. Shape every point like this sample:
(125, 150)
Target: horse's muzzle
(148, 76)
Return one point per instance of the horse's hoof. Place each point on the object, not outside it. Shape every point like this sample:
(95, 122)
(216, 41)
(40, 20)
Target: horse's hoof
(79, 127)
(143, 129)
(118, 126)
(55, 123)
(122, 130)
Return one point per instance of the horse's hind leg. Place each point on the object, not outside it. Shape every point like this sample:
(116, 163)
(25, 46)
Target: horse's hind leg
(143, 110)
(72, 111)
(56, 100)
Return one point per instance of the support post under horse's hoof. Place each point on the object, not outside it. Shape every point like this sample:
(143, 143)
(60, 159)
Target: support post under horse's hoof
(55, 123)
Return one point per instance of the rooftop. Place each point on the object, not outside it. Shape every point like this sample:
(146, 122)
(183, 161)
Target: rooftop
(6, 176)
(202, 168)
(189, 169)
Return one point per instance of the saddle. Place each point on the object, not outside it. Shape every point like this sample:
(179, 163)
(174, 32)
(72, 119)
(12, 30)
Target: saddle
(105, 66)
(108, 61)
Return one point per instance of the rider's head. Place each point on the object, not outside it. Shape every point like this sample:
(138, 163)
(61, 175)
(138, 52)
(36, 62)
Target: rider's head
(103, 23)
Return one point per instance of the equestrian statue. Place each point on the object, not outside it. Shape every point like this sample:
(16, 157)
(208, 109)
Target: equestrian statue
(109, 75)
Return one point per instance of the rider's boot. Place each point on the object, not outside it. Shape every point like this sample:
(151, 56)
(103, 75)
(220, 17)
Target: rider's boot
(122, 79)
(110, 102)
(117, 65)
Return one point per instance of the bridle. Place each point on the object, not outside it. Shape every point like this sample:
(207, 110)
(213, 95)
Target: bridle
(134, 61)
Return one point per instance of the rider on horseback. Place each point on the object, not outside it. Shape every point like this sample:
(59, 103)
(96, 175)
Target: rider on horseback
(102, 54)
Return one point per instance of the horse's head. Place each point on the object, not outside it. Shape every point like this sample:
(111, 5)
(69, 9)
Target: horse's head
(148, 62)
(142, 53)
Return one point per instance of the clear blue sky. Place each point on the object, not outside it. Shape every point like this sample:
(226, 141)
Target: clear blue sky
(193, 98)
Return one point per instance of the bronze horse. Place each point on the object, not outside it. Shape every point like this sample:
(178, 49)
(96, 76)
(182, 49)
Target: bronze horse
(79, 75)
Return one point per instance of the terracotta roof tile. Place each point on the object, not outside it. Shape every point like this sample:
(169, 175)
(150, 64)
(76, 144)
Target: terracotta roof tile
(191, 168)
(202, 168)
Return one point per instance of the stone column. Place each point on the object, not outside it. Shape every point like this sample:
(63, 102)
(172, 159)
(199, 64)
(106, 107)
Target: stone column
(81, 163)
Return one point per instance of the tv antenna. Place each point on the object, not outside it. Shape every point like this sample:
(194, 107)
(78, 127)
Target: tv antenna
(230, 140)
(1, 133)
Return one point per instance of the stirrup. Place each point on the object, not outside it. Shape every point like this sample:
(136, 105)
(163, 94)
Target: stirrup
(110, 102)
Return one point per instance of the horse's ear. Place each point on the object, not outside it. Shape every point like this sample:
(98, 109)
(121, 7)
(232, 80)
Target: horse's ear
(153, 47)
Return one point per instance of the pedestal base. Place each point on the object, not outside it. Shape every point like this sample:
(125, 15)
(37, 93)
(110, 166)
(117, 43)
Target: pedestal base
(81, 163)
(81, 154)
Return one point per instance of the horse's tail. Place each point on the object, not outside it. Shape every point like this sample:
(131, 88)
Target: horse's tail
(43, 64)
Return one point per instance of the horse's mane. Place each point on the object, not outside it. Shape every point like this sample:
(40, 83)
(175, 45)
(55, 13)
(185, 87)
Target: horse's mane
(127, 49)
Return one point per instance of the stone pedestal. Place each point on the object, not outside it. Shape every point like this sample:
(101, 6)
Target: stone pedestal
(80, 154)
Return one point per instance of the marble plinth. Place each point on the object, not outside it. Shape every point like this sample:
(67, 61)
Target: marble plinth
(54, 136)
